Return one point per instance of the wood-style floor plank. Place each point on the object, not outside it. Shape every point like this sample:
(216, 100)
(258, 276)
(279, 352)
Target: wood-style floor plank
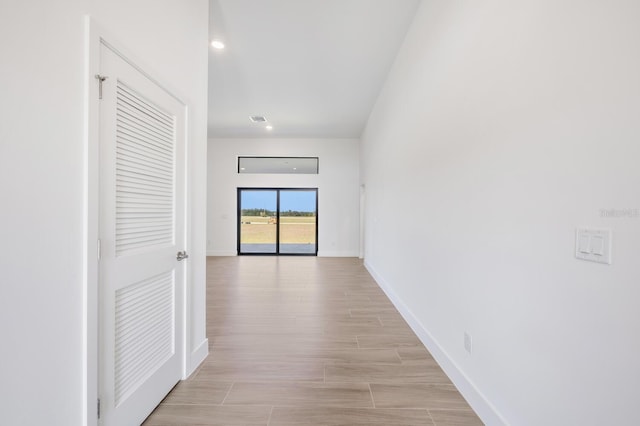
(323, 356)
(354, 395)
(326, 416)
(384, 340)
(455, 418)
(390, 374)
(261, 371)
(198, 392)
(209, 415)
(309, 341)
(418, 396)
(414, 354)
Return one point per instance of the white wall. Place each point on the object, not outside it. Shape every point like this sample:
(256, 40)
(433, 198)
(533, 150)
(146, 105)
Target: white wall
(41, 182)
(502, 127)
(337, 183)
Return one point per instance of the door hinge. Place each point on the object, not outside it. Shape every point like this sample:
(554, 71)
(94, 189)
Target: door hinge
(99, 249)
(101, 79)
(98, 407)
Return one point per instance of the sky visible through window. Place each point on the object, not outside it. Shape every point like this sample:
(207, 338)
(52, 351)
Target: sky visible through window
(302, 201)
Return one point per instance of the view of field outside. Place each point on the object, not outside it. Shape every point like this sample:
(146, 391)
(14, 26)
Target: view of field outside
(259, 224)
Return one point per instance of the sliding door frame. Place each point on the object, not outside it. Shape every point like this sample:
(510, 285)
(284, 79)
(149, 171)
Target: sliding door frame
(277, 252)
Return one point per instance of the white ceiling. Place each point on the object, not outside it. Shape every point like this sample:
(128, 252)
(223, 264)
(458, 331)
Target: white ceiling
(313, 68)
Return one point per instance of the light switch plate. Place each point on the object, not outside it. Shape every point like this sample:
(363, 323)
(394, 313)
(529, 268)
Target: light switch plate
(594, 245)
(584, 243)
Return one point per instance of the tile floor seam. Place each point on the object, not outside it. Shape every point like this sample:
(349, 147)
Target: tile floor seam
(431, 417)
(373, 401)
(270, 414)
(227, 394)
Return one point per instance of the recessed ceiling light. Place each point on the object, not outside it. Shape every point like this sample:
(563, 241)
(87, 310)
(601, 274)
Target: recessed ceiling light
(269, 127)
(217, 44)
(258, 119)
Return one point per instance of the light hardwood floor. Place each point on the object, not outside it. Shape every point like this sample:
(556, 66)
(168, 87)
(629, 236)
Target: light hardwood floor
(309, 341)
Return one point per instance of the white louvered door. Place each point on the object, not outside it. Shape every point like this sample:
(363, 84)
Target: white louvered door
(142, 227)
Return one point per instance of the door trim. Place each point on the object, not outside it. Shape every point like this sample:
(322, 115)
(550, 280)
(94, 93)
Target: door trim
(95, 37)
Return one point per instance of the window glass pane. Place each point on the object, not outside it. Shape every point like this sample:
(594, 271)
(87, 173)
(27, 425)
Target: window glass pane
(287, 165)
(297, 221)
(258, 210)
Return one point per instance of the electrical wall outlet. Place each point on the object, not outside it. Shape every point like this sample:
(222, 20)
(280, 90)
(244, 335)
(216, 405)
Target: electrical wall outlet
(468, 343)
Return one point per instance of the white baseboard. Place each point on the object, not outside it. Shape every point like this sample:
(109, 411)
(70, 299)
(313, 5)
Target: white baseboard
(480, 404)
(221, 253)
(322, 253)
(197, 356)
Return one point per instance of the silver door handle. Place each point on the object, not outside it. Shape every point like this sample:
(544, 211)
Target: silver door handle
(182, 255)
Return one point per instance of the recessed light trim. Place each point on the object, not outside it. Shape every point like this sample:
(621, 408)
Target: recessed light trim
(217, 44)
(269, 127)
(258, 119)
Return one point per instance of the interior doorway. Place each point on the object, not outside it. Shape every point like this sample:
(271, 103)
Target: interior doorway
(278, 221)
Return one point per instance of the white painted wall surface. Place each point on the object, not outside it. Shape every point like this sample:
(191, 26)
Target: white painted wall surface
(41, 182)
(337, 183)
(503, 127)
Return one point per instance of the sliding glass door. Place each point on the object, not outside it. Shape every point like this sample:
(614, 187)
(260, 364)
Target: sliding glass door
(277, 221)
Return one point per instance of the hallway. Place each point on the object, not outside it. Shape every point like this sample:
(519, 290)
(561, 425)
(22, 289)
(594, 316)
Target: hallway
(308, 340)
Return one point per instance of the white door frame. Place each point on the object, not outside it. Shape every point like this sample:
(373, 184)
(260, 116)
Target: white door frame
(95, 36)
(362, 220)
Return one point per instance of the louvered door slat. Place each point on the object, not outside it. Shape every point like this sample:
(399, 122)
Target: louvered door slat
(130, 179)
(132, 243)
(141, 223)
(127, 135)
(131, 188)
(139, 376)
(145, 138)
(131, 97)
(141, 164)
(131, 337)
(149, 123)
(139, 217)
(138, 153)
(135, 130)
(135, 208)
(142, 200)
(143, 330)
(144, 235)
(134, 292)
(139, 129)
(143, 173)
(143, 146)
